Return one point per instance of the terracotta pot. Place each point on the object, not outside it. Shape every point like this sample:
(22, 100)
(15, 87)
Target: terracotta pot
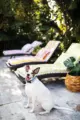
(72, 83)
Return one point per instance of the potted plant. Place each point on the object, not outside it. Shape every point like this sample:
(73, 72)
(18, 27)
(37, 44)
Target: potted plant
(72, 80)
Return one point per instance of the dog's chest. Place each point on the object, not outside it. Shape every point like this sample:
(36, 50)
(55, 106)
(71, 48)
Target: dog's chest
(28, 89)
(32, 89)
(38, 90)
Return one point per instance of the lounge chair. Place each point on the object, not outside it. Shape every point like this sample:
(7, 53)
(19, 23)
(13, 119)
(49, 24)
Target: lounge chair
(26, 49)
(57, 69)
(42, 56)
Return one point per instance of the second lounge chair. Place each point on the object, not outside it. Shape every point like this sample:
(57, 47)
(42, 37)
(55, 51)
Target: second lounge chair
(41, 57)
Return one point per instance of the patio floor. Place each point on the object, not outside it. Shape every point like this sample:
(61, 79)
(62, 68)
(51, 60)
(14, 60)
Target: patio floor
(13, 99)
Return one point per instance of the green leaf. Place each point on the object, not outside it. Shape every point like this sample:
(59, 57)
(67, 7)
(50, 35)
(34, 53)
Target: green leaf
(69, 63)
(76, 70)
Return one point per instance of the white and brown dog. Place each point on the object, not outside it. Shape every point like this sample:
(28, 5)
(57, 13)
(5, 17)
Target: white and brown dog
(36, 90)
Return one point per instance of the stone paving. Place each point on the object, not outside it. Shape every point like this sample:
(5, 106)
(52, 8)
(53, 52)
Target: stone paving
(13, 99)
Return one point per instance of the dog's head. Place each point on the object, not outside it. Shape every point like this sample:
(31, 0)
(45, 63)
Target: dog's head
(31, 73)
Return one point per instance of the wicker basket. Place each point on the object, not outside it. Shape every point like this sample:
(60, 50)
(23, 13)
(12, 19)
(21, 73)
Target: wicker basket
(72, 83)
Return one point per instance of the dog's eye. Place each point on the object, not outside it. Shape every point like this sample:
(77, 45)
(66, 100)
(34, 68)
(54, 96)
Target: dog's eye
(32, 73)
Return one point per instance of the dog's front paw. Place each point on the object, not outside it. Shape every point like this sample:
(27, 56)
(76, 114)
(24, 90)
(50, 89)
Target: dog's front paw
(44, 112)
(31, 111)
(26, 106)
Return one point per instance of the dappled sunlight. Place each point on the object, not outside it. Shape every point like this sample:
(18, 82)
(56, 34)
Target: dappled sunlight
(16, 92)
(7, 77)
(12, 81)
(4, 73)
(51, 3)
(11, 90)
(10, 87)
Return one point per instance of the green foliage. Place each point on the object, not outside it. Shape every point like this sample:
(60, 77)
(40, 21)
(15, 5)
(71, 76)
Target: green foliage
(31, 19)
(41, 20)
(69, 63)
(36, 50)
(76, 70)
(73, 66)
(71, 14)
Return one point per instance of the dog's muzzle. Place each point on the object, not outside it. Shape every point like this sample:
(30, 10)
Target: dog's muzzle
(28, 78)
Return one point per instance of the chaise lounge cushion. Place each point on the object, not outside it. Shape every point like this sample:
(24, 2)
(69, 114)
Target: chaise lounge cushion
(57, 67)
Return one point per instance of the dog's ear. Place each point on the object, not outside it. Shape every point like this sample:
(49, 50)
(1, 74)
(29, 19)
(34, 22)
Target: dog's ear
(35, 71)
(27, 68)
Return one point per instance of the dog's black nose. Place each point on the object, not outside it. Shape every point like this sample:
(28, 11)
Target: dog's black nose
(27, 74)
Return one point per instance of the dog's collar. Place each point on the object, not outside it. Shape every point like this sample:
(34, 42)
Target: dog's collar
(28, 81)
(32, 80)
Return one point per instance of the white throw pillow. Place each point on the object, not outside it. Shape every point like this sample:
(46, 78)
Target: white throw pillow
(26, 47)
(36, 43)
